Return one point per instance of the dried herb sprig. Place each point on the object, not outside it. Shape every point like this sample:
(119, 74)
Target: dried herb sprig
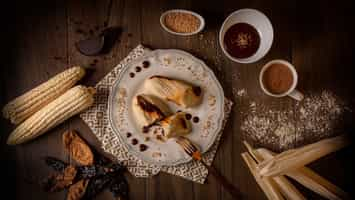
(90, 179)
(55, 163)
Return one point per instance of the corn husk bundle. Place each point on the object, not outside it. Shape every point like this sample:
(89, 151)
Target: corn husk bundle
(296, 158)
(48, 105)
(292, 164)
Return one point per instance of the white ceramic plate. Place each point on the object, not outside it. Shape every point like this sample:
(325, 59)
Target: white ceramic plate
(175, 64)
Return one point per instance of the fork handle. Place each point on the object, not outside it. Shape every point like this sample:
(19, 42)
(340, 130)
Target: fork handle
(236, 194)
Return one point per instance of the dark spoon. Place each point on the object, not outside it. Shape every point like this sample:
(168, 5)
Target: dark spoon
(99, 44)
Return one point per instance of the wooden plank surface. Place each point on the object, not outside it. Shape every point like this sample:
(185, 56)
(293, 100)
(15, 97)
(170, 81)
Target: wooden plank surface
(314, 36)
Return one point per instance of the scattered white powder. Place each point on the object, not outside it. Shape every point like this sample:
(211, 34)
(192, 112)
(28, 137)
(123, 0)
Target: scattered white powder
(285, 132)
(235, 76)
(206, 43)
(252, 106)
(241, 92)
(314, 118)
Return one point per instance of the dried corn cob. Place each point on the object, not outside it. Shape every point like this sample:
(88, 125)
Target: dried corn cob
(32, 101)
(70, 103)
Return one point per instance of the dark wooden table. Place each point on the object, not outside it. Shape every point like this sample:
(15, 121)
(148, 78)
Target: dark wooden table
(38, 42)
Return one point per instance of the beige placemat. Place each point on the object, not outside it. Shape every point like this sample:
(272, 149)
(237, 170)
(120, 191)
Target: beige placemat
(96, 118)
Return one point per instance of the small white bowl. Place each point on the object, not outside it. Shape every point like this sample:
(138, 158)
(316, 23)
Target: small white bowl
(162, 23)
(256, 19)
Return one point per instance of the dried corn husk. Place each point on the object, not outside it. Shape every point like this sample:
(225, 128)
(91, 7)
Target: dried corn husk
(177, 91)
(77, 190)
(311, 180)
(293, 159)
(268, 185)
(288, 190)
(77, 148)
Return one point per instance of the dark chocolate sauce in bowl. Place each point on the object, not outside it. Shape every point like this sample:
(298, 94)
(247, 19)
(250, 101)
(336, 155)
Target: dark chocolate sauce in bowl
(241, 40)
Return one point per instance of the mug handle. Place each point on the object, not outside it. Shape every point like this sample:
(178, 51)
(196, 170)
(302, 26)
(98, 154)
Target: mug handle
(297, 95)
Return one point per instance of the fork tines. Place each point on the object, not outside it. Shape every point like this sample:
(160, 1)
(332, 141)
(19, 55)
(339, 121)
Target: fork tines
(188, 147)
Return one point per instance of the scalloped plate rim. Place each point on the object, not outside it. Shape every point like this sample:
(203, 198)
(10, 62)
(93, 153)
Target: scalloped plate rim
(113, 92)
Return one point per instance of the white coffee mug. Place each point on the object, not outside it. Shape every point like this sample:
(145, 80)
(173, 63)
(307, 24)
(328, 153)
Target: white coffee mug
(292, 91)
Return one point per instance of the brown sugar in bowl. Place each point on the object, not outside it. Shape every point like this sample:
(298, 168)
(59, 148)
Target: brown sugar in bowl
(182, 22)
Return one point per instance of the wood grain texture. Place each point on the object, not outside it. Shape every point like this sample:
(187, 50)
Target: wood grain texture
(40, 37)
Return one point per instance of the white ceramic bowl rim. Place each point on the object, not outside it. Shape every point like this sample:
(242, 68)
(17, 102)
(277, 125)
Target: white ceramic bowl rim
(202, 21)
(258, 55)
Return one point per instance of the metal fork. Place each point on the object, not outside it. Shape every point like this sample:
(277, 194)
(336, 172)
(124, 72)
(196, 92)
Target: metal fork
(193, 151)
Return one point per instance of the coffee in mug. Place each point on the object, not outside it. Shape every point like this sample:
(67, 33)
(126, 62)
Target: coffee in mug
(278, 78)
